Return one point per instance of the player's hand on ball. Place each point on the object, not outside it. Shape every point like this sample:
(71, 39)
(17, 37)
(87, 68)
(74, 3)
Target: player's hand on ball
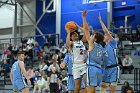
(67, 30)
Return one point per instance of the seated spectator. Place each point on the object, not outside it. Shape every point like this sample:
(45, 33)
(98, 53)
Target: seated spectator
(37, 50)
(127, 64)
(39, 84)
(36, 75)
(53, 80)
(43, 66)
(30, 40)
(5, 68)
(54, 65)
(126, 87)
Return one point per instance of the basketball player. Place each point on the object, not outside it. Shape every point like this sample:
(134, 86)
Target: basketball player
(78, 56)
(18, 75)
(94, 58)
(70, 82)
(111, 72)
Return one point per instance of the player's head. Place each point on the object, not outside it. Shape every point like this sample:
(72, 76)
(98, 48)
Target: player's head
(98, 37)
(74, 36)
(21, 56)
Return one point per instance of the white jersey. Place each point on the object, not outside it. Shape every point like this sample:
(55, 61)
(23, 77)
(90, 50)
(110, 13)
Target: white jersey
(77, 52)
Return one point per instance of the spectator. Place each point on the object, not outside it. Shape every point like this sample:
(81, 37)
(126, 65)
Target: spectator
(127, 64)
(36, 75)
(61, 43)
(45, 47)
(5, 67)
(43, 66)
(126, 87)
(30, 40)
(53, 80)
(54, 65)
(39, 84)
(37, 50)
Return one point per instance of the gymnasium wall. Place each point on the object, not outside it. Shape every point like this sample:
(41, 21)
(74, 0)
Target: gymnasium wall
(48, 23)
(71, 10)
(131, 9)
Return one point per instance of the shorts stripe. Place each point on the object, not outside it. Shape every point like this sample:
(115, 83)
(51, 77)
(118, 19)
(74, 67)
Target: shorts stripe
(88, 78)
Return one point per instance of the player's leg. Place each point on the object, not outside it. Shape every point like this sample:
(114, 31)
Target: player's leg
(114, 78)
(70, 91)
(77, 79)
(15, 92)
(103, 87)
(113, 87)
(83, 87)
(35, 88)
(77, 83)
(25, 90)
(90, 89)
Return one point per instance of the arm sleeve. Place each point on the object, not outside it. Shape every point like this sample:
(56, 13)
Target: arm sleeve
(66, 59)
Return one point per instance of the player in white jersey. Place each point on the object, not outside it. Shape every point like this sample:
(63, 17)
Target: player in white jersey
(78, 55)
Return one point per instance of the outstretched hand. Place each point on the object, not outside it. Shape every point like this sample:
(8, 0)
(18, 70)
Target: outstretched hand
(84, 13)
(99, 17)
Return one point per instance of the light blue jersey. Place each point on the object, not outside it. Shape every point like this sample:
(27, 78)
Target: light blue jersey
(111, 73)
(68, 61)
(94, 70)
(110, 57)
(17, 74)
(18, 80)
(95, 56)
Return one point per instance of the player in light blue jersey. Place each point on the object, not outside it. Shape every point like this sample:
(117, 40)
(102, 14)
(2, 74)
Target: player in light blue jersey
(94, 58)
(70, 82)
(18, 75)
(111, 73)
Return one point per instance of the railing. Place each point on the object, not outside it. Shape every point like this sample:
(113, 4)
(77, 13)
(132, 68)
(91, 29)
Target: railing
(137, 79)
(15, 41)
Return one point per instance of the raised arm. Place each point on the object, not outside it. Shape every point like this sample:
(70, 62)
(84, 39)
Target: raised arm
(85, 26)
(68, 42)
(105, 28)
(86, 32)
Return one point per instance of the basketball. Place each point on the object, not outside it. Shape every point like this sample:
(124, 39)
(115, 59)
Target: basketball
(71, 26)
